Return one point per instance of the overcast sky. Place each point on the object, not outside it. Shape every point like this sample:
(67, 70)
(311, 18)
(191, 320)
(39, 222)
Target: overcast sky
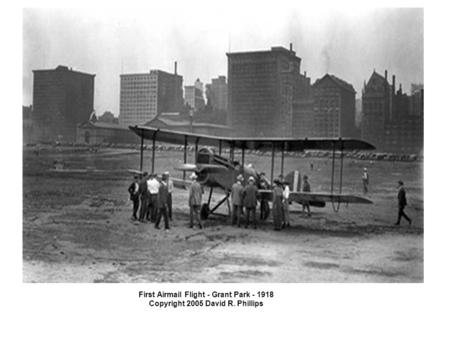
(348, 43)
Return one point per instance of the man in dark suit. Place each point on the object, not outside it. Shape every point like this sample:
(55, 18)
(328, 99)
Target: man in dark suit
(133, 189)
(144, 197)
(250, 201)
(401, 196)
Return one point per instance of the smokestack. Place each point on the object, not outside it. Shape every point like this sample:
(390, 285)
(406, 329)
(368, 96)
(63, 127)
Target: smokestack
(175, 71)
(304, 73)
(385, 75)
(393, 83)
(290, 46)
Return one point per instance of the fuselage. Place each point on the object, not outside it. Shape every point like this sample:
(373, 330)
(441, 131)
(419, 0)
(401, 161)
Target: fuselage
(225, 178)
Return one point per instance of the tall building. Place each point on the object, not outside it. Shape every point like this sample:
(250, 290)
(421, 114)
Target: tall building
(193, 95)
(334, 108)
(27, 119)
(377, 107)
(417, 100)
(392, 120)
(262, 86)
(217, 93)
(145, 95)
(62, 98)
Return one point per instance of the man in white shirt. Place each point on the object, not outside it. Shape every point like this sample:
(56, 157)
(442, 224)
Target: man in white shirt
(153, 188)
(286, 192)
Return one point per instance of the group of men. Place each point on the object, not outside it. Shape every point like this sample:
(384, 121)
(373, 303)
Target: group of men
(152, 197)
(244, 201)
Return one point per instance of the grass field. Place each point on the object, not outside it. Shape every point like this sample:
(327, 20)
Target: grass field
(77, 227)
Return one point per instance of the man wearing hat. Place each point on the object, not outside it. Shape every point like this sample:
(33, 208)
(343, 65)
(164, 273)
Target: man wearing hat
(170, 188)
(250, 201)
(365, 180)
(286, 193)
(277, 204)
(306, 188)
(401, 196)
(144, 197)
(153, 189)
(195, 201)
(133, 190)
(237, 191)
(162, 203)
(264, 204)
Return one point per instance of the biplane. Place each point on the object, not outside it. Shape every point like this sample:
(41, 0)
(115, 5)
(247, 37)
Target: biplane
(217, 172)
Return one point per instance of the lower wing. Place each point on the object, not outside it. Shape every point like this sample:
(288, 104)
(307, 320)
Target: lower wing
(180, 183)
(318, 199)
(302, 197)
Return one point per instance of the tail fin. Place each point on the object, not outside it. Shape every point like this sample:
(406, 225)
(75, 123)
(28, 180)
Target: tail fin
(294, 180)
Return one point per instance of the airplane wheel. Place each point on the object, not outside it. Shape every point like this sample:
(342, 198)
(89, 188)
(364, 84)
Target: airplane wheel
(204, 211)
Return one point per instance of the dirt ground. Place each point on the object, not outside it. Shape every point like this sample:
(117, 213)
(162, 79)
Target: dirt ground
(77, 227)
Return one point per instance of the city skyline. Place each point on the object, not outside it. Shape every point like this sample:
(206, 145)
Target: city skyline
(348, 45)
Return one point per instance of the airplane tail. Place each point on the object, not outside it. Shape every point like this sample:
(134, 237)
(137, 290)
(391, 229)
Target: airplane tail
(294, 179)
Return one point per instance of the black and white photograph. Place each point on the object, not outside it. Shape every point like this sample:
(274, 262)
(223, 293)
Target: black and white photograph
(168, 146)
(224, 169)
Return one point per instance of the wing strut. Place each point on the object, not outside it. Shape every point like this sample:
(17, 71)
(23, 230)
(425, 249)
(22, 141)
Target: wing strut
(342, 167)
(336, 208)
(196, 148)
(142, 151)
(153, 150)
(232, 151)
(185, 154)
(220, 147)
(332, 168)
(243, 156)
(282, 158)
(272, 164)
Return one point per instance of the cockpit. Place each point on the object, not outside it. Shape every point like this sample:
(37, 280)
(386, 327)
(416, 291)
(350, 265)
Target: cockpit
(207, 156)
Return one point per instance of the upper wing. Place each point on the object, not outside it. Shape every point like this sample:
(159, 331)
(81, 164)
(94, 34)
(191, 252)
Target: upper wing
(288, 144)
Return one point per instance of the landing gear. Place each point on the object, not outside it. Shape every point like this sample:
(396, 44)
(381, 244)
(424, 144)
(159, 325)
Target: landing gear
(205, 210)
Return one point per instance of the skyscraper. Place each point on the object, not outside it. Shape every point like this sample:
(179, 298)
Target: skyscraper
(144, 95)
(377, 107)
(62, 98)
(262, 86)
(193, 95)
(334, 108)
(392, 120)
(217, 93)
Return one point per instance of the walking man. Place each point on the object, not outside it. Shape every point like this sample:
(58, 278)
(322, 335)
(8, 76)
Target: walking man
(195, 202)
(133, 189)
(365, 180)
(250, 201)
(162, 203)
(237, 191)
(401, 196)
(306, 188)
